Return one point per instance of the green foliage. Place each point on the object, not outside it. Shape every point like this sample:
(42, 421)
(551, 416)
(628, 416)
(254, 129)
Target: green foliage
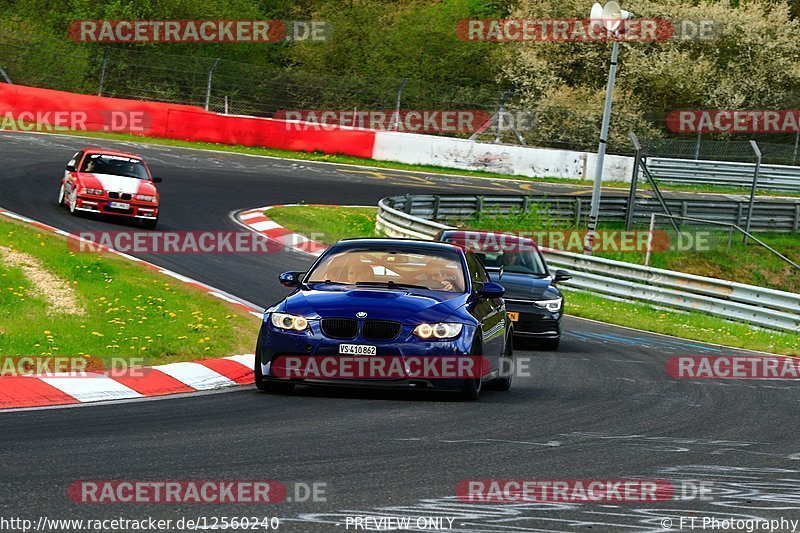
(750, 64)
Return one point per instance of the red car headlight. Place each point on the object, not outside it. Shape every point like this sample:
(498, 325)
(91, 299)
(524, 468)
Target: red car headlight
(145, 198)
(95, 192)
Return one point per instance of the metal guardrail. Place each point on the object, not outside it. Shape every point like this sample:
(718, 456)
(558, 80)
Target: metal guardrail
(687, 171)
(775, 216)
(759, 306)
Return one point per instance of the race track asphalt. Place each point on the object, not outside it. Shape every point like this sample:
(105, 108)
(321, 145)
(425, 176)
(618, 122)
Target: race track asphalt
(602, 407)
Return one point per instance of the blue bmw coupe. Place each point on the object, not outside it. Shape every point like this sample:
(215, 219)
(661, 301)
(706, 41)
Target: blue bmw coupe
(396, 300)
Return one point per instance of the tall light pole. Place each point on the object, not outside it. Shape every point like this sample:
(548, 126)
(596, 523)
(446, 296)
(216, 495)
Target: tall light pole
(611, 16)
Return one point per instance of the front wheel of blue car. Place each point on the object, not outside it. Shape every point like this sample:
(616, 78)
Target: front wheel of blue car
(471, 389)
(274, 387)
(503, 383)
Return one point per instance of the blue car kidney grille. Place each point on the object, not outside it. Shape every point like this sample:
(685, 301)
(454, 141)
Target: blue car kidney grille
(380, 330)
(339, 328)
(346, 328)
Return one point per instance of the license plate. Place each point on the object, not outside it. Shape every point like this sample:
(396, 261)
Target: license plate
(514, 317)
(119, 205)
(357, 349)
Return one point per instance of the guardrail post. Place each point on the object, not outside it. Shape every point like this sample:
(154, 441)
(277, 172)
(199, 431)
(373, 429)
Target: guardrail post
(396, 118)
(631, 207)
(757, 151)
(479, 204)
(526, 203)
(436, 200)
(797, 217)
(407, 204)
(578, 209)
(208, 82)
(650, 239)
(697, 147)
(103, 64)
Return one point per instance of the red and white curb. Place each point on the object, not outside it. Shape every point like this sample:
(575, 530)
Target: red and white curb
(174, 378)
(256, 220)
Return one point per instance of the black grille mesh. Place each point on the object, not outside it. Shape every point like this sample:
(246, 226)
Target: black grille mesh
(339, 328)
(380, 330)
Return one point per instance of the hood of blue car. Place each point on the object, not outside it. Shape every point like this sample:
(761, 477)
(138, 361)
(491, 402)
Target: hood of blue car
(522, 286)
(410, 307)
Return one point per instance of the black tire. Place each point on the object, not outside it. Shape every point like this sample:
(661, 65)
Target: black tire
(503, 383)
(149, 223)
(551, 345)
(274, 387)
(471, 389)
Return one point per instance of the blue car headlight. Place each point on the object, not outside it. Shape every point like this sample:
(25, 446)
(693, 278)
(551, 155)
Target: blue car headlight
(440, 330)
(551, 305)
(289, 322)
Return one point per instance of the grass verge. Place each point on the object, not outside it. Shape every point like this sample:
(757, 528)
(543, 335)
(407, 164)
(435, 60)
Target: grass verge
(331, 223)
(120, 308)
(390, 165)
(327, 224)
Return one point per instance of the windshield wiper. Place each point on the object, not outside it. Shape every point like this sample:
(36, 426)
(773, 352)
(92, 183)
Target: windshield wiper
(390, 284)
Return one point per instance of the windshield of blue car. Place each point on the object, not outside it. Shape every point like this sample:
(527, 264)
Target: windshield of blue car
(396, 268)
(115, 165)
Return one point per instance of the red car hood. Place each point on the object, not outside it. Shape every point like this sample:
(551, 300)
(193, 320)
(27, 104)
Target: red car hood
(113, 183)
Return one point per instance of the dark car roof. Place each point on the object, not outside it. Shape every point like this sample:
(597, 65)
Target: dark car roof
(399, 243)
(506, 237)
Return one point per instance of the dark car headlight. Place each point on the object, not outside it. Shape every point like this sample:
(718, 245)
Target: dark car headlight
(289, 322)
(440, 330)
(551, 305)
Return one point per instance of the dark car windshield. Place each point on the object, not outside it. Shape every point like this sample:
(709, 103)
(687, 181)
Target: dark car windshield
(513, 254)
(115, 165)
(393, 267)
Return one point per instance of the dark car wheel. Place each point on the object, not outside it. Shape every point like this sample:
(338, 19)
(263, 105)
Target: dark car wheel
(471, 389)
(503, 383)
(268, 386)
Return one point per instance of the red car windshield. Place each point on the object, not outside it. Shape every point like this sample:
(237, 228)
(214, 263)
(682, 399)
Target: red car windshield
(115, 165)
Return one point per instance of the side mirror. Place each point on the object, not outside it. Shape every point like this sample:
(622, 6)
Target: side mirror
(561, 275)
(70, 168)
(491, 290)
(290, 279)
(157, 180)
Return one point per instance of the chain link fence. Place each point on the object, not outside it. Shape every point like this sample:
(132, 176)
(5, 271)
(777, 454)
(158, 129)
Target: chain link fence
(225, 86)
(748, 232)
